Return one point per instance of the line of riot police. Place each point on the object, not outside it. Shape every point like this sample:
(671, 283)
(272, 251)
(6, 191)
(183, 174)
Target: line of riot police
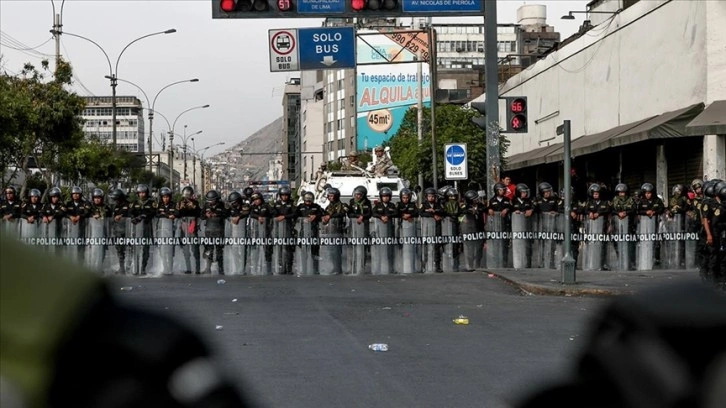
(444, 233)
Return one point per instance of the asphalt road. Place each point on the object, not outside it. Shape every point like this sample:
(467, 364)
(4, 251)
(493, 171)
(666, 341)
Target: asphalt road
(303, 341)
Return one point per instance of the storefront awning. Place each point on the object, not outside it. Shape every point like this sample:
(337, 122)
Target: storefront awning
(665, 125)
(712, 121)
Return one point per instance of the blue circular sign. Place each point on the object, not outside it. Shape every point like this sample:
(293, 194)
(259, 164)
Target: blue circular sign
(455, 155)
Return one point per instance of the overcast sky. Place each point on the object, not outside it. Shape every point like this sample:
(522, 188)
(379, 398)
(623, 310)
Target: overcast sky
(230, 57)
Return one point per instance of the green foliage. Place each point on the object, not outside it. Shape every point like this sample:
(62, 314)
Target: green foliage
(95, 161)
(39, 117)
(453, 125)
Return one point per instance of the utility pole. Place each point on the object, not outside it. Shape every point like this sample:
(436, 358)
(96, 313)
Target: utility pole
(419, 115)
(568, 262)
(492, 94)
(432, 68)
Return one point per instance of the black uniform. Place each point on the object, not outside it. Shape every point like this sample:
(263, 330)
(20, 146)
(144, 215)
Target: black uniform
(143, 212)
(120, 211)
(30, 210)
(286, 209)
(214, 213)
(188, 211)
(306, 210)
(714, 213)
(12, 209)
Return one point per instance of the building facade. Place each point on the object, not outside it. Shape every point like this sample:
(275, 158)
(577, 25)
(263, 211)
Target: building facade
(639, 89)
(312, 122)
(98, 116)
(291, 130)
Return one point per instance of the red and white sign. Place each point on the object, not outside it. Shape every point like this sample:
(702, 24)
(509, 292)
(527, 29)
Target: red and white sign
(284, 54)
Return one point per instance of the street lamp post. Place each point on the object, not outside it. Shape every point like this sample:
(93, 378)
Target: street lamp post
(184, 146)
(113, 75)
(152, 110)
(171, 145)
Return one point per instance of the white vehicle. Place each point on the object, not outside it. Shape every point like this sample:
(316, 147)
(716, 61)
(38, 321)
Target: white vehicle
(347, 180)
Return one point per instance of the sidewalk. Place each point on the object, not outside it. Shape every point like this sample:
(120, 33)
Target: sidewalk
(598, 283)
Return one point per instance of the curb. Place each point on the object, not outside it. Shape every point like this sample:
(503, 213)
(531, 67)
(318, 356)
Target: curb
(563, 290)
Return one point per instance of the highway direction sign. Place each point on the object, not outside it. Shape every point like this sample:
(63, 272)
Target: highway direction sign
(455, 163)
(284, 50)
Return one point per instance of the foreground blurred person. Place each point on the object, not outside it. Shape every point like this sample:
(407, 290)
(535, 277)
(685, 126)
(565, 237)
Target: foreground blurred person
(65, 342)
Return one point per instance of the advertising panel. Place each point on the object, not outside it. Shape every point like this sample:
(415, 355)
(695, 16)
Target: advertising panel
(387, 88)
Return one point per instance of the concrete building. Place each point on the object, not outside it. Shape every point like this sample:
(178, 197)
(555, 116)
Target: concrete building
(291, 131)
(129, 121)
(645, 92)
(312, 122)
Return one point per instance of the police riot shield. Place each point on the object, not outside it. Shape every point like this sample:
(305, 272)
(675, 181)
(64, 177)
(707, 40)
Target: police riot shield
(283, 247)
(54, 232)
(307, 247)
(520, 240)
(497, 246)
(622, 243)
(29, 231)
(359, 235)
(472, 243)
(97, 233)
(645, 254)
(382, 248)
(235, 254)
(692, 228)
(165, 238)
(593, 256)
(138, 248)
(331, 250)
(75, 245)
(450, 247)
(673, 244)
(547, 240)
(189, 241)
(258, 258)
(407, 258)
(11, 227)
(120, 257)
(429, 248)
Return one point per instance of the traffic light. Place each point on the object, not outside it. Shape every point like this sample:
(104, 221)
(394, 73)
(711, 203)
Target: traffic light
(373, 5)
(480, 121)
(256, 8)
(516, 114)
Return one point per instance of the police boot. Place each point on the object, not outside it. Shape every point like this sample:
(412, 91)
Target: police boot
(188, 264)
(221, 268)
(196, 265)
(121, 267)
(208, 267)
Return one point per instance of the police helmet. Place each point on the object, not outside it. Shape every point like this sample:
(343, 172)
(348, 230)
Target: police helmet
(544, 187)
(385, 192)
(718, 186)
(54, 192)
(696, 184)
(594, 188)
(256, 196)
(34, 193)
(284, 190)
(10, 189)
(76, 190)
(405, 193)
(142, 188)
(430, 191)
(443, 190)
(499, 186)
(471, 196)
(248, 191)
(187, 192)
(211, 196)
(360, 190)
(647, 187)
(234, 197)
(621, 188)
(521, 187)
(97, 192)
(452, 193)
(708, 188)
(677, 189)
(335, 192)
(722, 193)
(165, 191)
(308, 197)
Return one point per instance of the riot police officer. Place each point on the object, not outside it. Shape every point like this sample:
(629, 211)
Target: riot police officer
(166, 213)
(260, 225)
(188, 211)
(359, 208)
(247, 192)
(621, 223)
(214, 213)
(99, 209)
(31, 210)
(283, 211)
(142, 211)
(77, 209)
(166, 208)
(333, 226)
(472, 227)
(385, 210)
(54, 210)
(309, 214)
(11, 207)
(120, 213)
(521, 221)
(239, 210)
(431, 213)
(406, 208)
(546, 201)
(714, 223)
(595, 211)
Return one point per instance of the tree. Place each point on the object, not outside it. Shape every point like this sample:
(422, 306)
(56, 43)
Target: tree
(95, 161)
(40, 119)
(453, 125)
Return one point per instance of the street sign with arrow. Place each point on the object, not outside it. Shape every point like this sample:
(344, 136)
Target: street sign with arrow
(313, 48)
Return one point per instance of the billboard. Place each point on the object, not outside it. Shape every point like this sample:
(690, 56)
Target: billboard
(386, 86)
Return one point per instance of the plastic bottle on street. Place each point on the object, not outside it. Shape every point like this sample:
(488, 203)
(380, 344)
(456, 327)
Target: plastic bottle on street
(378, 347)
